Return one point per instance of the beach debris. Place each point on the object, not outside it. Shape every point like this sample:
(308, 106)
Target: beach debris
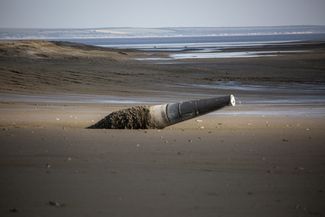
(113, 172)
(56, 203)
(161, 116)
(123, 53)
(299, 168)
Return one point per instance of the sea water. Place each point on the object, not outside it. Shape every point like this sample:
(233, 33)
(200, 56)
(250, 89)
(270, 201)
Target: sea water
(166, 38)
(190, 43)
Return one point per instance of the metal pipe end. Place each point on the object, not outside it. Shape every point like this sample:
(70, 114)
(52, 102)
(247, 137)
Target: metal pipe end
(232, 100)
(158, 116)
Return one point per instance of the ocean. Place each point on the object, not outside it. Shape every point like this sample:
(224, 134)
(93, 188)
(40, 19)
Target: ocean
(172, 39)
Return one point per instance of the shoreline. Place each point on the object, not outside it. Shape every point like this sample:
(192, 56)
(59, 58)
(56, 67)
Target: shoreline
(103, 78)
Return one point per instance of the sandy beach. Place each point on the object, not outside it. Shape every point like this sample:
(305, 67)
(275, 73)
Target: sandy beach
(264, 157)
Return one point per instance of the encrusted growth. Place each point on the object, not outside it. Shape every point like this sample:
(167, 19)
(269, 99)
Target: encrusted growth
(137, 117)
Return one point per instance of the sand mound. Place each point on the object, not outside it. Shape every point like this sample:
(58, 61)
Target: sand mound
(38, 49)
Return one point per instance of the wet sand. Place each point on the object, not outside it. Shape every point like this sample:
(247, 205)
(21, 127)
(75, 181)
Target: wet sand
(241, 161)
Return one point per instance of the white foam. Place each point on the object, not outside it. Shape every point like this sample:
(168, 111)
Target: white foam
(220, 55)
(241, 54)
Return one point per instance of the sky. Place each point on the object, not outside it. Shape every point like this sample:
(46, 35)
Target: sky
(159, 13)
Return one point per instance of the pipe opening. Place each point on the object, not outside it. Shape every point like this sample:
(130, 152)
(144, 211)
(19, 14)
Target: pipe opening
(232, 100)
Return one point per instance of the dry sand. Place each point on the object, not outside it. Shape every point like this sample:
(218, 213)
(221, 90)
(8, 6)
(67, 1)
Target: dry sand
(214, 165)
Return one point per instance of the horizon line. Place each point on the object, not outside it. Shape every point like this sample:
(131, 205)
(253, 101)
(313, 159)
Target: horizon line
(165, 27)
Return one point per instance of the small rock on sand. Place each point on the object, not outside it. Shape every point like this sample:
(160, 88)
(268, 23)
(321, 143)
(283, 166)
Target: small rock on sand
(123, 53)
(13, 210)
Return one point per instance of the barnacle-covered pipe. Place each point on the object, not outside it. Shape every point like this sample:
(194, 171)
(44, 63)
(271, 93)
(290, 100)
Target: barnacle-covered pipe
(161, 116)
